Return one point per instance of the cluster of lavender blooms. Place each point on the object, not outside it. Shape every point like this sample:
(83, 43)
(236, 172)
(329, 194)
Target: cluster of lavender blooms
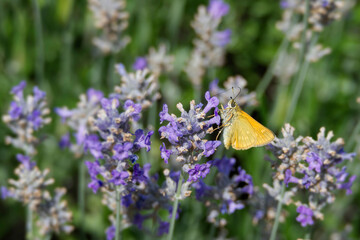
(238, 85)
(112, 19)
(141, 87)
(115, 170)
(157, 61)
(310, 165)
(143, 202)
(233, 187)
(81, 120)
(25, 116)
(209, 46)
(30, 189)
(321, 13)
(186, 135)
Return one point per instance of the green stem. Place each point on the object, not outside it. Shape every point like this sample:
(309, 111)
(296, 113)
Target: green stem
(197, 93)
(175, 207)
(265, 81)
(299, 85)
(81, 197)
(278, 211)
(353, 136)
(39, 43)
(29, 223)
(118, 215)
(304, 66)
(111, 72)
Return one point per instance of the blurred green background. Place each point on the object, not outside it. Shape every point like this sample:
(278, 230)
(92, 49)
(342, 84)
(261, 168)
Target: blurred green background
(72, 64)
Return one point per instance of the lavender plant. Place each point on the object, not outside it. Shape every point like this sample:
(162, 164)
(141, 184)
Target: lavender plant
(80, 120)
(112, 19)
(209, 46)
(233, 187)
(186, 134)
(25, 116)
(128, 189)
(313, 166)
(141, 87)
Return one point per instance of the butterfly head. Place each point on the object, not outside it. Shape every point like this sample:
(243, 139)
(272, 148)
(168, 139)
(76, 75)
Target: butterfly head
(231, 103)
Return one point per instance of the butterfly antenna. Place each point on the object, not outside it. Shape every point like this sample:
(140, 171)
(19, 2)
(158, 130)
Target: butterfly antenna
(238, 93)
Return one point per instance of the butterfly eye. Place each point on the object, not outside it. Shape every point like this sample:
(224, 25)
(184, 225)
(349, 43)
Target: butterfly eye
(232, 104)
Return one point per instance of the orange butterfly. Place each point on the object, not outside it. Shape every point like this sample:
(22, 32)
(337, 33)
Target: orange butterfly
(241, 131)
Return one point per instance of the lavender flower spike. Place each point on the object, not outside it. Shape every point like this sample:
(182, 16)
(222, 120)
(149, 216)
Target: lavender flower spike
(218, 9)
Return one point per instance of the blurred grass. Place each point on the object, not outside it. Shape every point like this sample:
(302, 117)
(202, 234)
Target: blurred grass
(72, 64)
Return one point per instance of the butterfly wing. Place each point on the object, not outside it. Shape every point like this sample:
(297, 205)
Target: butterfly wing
(262, 134)
(239, 134)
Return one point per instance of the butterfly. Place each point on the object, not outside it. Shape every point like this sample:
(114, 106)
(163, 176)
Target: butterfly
(241, 131)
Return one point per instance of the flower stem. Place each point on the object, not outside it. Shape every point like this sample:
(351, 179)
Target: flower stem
(81, 197)
(175, 207)
(265, 81)
(299, 85)
(278, 211)
(118, 215)
(111, 72)
(304, 66)
(29, 223)
(39, 43)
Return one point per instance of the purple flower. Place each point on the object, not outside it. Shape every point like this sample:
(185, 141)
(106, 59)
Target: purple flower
(110, 232)
(94, 168)
(171, 132)
(132, 110)
(15, 110)
(199, 171)
(65, 141)
(233, 206)
(222, 38)
(164, 153)
(289, 178)
(138, 220)
(225, 165)
(5, 192)
(142, 140)
(109, 104)
(126, 200)
(95, 184)
(305, 216)
(213, 86)
(347, 186)
(94, 96)
(212, 102)
(163, 228)
(138, 174)
(284, 4)
(38, 94)
(64, 113)
(93, 145)
(218, 9)
(35, 118)
(314, 161)
(210, 147)
(325, 3)
(25, 160)
(164, 115)
(201, 189)
(119, 177)
(122, 151)
(18, 89)
(140, 63)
